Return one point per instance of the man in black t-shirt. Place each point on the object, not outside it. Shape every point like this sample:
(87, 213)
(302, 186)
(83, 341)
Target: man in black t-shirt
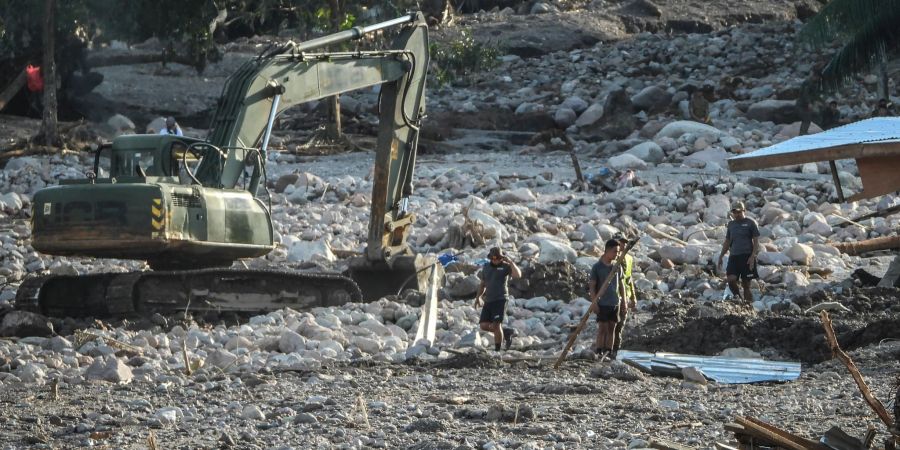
(608, 303)
(742, 245)
(494, 276)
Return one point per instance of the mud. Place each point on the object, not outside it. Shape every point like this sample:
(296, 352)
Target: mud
(560, 280)
(705, 330)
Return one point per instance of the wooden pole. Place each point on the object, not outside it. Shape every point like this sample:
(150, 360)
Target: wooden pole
(593, 307)
(12, 89)
(837, 181)
(873, 402)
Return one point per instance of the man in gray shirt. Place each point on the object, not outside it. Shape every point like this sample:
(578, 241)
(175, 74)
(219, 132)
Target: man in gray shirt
(607, 303)
(494, 276)
(742, 245)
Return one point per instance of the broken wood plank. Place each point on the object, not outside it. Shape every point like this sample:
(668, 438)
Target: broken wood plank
(722, 446)
(764, 434)
(787, 435)
(12, 89)
(868, 245)
(664, 444)
(836, 350)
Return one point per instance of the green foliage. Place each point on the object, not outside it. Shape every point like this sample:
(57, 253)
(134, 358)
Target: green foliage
(460, 58)
(866, 29)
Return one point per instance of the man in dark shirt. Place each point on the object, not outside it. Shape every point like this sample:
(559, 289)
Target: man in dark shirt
(494, 276)
(742, 244)
(608, 303)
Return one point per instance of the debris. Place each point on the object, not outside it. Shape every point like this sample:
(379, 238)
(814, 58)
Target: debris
(716, 368)
(754, 433)
(876, 405)
(828, 306)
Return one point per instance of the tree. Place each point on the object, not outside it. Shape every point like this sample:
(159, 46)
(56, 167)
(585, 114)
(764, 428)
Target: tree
(867, 30)
(49, 134)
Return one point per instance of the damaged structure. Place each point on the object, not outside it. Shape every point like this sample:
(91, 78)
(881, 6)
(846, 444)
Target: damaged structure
(874, 144)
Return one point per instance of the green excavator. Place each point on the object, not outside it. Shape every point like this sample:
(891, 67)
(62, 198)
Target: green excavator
(192, 207)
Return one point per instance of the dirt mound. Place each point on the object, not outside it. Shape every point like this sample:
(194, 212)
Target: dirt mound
(707, 331)
(474, 360)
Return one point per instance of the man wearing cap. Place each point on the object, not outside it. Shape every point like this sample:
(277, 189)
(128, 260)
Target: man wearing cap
(627, 297)
(742, 245)
(493, 292)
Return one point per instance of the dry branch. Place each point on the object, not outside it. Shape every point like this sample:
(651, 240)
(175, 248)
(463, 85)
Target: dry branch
(836, 350)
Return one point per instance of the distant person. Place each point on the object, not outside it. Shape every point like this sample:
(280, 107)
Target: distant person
(608, 304)
(831, 116)
(699, 104)
(494, 277)
(35, 87)
(883, 109)
(741, 244)
(627, 295)
(171, 127)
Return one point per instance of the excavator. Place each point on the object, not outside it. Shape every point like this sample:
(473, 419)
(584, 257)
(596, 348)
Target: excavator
(192, 207)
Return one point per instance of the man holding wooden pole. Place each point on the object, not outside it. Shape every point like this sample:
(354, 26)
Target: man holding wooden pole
(608, 300)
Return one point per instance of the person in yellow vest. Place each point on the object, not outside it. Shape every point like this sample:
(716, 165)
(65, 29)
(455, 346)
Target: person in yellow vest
(627, 297)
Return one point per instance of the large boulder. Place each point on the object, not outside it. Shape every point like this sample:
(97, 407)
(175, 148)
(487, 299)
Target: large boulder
(651, 99)
(675, 129)
(771, 110)
(711, 158)
(801, 254)
(109, 368)
(648, 151)
(553, 251)
(626, 161)
(681, 255)
(590, 116)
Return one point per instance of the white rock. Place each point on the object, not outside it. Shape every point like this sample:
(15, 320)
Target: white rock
(253, 412)
(626, 161)
(801, 254)
(693, 375)
(169, 415)
(10, 202)
(520, 195)
(109, 368)
(221, 358)
(366, 345)
(675, 129)
(311, 251)
(291, 342)
(30, 373)
(773, 259)
(120, 123)
(554, 251)
(681, 255)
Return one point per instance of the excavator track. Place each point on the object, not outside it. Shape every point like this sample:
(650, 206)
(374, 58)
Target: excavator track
(204, 290)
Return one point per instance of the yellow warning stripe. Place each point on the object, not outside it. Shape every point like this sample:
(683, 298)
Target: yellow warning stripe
(157, 220)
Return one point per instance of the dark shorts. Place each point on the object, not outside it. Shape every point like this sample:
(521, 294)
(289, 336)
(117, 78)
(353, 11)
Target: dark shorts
(607, 313)
(738, 265)
(493, 312)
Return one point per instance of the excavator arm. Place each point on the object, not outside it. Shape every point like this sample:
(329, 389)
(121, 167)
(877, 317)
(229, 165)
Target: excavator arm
(297, 73)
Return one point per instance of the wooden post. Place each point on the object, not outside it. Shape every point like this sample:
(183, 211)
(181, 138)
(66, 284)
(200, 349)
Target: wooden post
(837, 181)
(593, 307)
(12, 89)
(868, 245)
(579, 177)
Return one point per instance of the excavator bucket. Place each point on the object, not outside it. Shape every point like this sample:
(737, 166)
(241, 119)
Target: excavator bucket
(377, 279)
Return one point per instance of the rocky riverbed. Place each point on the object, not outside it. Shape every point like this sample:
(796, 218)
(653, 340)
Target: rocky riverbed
(495, 168)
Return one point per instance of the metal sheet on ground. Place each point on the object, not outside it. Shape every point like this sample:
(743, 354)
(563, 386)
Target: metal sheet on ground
(717, 368)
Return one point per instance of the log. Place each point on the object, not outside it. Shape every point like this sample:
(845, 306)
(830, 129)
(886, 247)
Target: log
(770, 437)
(836, 350)
(12, 89)
(868, 245)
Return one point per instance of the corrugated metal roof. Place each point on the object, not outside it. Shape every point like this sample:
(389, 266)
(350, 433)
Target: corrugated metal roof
(880, 131)
(717, 368)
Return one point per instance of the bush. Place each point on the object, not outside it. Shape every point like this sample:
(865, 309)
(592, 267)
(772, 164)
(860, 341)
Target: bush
(460, 58)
